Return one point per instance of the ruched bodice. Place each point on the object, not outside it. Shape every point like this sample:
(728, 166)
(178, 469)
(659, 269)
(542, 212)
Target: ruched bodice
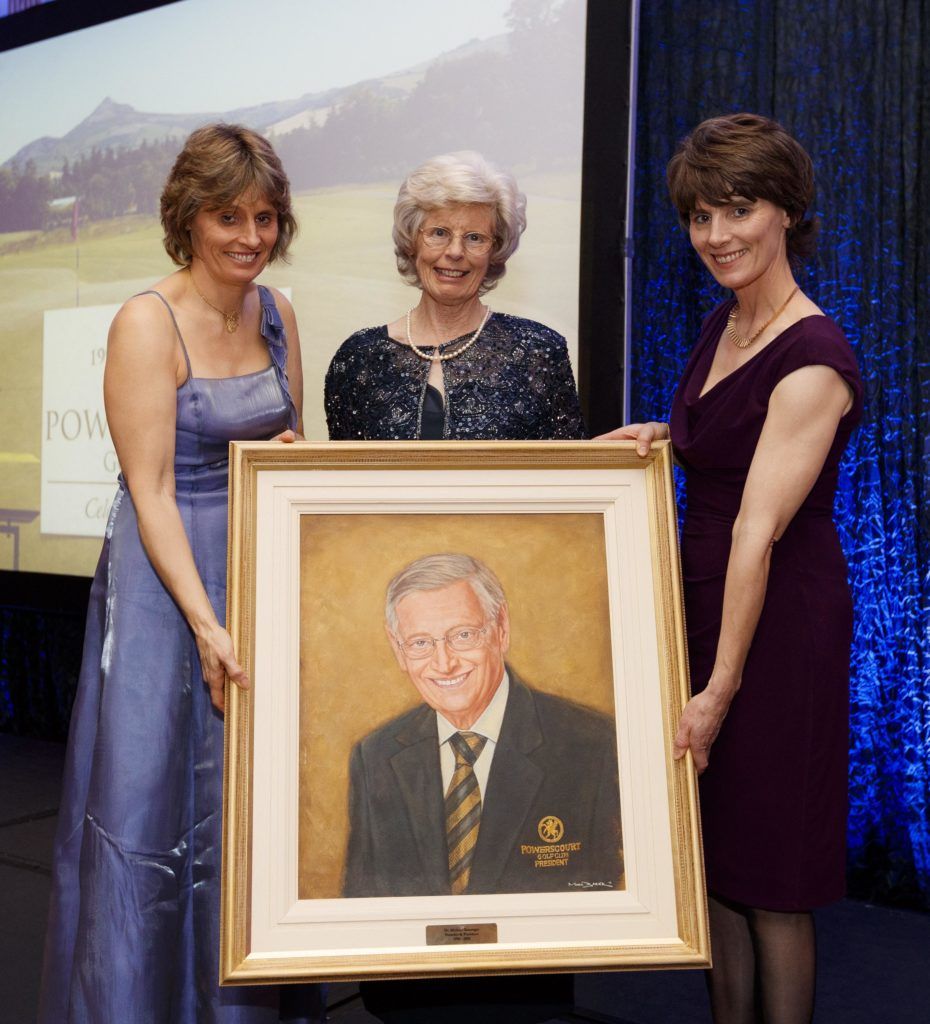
(214, 411)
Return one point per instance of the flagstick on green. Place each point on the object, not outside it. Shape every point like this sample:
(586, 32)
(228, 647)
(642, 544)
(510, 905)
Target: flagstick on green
(77, 250)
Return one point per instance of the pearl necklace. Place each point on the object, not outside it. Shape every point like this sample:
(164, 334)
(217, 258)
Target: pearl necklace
(738, 340)
(441, 357)
(232, 319)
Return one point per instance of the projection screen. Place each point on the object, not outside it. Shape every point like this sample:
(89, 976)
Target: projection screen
(353, 95)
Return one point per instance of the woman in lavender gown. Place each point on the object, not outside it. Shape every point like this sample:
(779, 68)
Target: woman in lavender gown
(203, 357)
(759, 422)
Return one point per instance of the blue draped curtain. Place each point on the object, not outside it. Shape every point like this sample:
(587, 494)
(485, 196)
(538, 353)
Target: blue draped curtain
(851, 81)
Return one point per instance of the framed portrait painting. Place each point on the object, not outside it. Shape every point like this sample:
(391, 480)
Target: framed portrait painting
(468, 664)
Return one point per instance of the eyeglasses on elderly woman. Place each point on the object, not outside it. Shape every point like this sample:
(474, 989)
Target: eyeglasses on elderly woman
(473, 242)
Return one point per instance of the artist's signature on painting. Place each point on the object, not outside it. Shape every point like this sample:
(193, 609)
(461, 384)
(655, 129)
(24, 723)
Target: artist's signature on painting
(591, 885)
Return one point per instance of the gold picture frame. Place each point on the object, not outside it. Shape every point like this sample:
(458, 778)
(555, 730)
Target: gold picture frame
(583, 537)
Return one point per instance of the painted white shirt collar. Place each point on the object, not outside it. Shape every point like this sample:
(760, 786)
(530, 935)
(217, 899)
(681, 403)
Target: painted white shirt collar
(488, 725)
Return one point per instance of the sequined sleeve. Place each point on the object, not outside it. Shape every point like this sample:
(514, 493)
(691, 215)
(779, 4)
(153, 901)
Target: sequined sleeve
(334, 401)
(566, 422)
(356, 370)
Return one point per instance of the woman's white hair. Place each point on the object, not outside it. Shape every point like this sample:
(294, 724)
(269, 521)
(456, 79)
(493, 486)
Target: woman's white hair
(453, 178)
(442, 570)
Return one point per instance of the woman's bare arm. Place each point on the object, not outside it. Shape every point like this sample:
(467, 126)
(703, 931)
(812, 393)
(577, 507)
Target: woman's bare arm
(140, 394)
(804, 411)
(295, 373)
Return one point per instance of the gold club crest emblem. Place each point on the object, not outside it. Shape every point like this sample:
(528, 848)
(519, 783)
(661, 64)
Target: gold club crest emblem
(550, 829)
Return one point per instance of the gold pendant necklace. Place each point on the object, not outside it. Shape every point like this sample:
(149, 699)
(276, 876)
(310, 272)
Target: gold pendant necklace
(232, 319)
(738, 340)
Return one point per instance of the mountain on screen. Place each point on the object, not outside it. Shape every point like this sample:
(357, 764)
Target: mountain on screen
(113, 125)
(110, 126)
(513, 96)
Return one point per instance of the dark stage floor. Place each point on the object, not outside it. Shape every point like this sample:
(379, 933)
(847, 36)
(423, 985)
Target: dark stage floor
(873, 961)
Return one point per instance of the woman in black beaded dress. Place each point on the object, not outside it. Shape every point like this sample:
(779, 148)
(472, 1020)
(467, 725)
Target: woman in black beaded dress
(451, 368)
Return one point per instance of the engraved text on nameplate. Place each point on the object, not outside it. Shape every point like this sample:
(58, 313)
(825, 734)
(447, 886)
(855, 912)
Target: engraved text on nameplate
(460, 934)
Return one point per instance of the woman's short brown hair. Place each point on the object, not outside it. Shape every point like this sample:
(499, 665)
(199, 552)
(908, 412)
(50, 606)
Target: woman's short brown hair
(751, 156)
(218, 164)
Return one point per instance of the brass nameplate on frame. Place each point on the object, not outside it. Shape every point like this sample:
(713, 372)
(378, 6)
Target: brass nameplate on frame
(460, 934)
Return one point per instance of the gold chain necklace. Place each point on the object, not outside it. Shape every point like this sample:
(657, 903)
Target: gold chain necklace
(738, 340)
(232, 319)
(441, 357)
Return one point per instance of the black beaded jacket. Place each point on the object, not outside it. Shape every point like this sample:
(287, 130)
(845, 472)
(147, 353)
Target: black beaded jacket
(514, 384)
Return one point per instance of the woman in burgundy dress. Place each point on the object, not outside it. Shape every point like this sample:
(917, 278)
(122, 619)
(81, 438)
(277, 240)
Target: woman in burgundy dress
(759, 422)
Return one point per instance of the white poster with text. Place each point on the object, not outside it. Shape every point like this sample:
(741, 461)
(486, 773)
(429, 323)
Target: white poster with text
(79, 465)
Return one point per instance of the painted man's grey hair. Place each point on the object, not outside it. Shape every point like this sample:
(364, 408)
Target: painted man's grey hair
(435, 571)
(452, 179)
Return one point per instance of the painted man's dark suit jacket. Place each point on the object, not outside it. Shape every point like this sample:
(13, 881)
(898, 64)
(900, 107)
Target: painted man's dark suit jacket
(554, 759)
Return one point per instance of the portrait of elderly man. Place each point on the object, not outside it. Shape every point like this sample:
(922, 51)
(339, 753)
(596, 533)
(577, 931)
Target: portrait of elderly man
(490, 785)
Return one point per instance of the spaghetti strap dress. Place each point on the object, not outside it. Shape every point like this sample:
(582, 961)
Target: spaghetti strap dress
(133, 929)
(774, 797)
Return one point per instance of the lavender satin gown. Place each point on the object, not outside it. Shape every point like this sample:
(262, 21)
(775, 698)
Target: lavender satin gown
(134, 920)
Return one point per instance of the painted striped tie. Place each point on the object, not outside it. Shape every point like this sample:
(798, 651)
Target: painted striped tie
(463, 808)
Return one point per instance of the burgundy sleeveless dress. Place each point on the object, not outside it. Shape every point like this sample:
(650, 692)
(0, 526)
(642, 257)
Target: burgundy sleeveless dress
(774, 798)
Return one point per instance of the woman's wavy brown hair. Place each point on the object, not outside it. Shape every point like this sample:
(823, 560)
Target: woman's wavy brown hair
(218, 164)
